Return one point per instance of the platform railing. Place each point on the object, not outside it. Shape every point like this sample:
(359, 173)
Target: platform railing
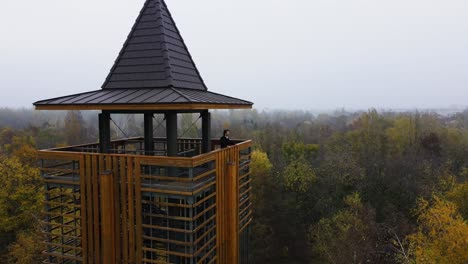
(129, 208)
(186, 147)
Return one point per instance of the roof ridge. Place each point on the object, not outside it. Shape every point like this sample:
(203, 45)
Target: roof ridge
(185, 45)
(164, 46)
(122, 50)
(183, 95)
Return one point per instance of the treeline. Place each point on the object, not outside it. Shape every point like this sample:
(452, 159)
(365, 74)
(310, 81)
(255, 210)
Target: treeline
(342, 187)
(367, 188)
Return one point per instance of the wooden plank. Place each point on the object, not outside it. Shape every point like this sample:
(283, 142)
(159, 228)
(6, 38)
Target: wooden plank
(165, 161)
(131, 211)
(124, 212)
(118, 241)
(83, 212)
(95, 206)
(107, 217)
(53, 155)
(178, 192)
(139, 211)
(89, 209)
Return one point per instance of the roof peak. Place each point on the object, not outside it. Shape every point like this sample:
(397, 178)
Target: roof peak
(154, 54)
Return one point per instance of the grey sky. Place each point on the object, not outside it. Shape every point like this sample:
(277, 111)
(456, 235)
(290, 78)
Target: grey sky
(294, 54)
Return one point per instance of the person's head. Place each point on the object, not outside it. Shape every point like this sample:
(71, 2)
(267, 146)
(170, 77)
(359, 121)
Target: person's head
(226, 132)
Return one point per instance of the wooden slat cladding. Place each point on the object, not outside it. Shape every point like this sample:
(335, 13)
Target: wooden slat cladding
(113, 208)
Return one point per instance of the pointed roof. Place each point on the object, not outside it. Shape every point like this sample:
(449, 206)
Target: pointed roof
(154, 54)
(154, 71)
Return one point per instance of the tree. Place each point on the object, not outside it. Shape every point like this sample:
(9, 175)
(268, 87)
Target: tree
(20, 195)
(349, 236)
(459, 196)
(263, 189)
(442, 235)
(74, 128)
(26, 249)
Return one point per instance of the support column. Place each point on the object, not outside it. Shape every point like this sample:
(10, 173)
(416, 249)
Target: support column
(206, 131)
(171, 134)
(149, 145)
(104, 132)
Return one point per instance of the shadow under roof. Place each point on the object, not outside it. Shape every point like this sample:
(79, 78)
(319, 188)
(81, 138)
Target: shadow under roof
(153, 71)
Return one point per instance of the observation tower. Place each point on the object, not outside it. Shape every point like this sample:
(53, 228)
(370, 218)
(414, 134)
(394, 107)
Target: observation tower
(147, 199)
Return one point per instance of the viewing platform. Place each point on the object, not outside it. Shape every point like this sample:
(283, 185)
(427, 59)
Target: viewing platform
(140, 207)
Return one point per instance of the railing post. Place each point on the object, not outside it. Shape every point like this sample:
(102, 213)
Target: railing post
(232, 193)
(107, 218)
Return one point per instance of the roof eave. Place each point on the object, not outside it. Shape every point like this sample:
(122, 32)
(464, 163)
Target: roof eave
(143, 107)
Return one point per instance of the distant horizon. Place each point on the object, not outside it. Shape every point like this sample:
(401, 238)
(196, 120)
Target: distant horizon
(448, 109)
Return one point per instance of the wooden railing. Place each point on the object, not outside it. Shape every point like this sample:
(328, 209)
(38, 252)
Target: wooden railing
(128, 208)
(187, 147)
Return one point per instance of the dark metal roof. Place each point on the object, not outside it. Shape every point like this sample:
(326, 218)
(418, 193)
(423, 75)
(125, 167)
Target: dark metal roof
(154, 54)
(151, 96)
(154, 71)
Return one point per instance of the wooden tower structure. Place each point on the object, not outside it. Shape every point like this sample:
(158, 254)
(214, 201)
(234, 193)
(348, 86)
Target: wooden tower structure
(146, 199)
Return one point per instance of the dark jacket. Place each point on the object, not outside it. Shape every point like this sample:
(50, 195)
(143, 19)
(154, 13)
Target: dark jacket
(225, 141)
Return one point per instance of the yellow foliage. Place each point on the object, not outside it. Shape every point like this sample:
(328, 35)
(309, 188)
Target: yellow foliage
(26, 249)
(20, 194)
(442, 235)
(459, 196)
(260, 164)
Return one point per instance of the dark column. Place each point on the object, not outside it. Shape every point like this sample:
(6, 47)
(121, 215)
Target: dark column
(104, 133)
(149, 145)
(171, 134)
(206, 131)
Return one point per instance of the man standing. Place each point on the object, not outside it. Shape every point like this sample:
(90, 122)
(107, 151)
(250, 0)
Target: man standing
(225, 141)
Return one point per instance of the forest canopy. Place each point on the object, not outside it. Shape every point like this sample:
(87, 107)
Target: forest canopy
(340, 187)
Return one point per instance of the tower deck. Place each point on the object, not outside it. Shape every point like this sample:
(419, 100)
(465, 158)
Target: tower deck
(131, 206)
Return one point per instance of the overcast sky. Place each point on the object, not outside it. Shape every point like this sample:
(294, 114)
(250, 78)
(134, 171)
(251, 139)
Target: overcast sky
(294, 54)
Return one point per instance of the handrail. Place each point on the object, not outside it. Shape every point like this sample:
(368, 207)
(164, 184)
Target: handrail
(69, 153)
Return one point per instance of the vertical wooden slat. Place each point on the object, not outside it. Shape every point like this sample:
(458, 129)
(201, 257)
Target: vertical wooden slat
(89, 209)
(95, 205)
(83, 215)
(118, 245)
(107, 217)
(139, 211)
(218, 210)
(131, 211)
(123, 201)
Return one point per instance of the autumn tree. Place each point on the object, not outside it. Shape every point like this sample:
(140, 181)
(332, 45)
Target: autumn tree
(349, 236)
(74, 128)
(442, 235)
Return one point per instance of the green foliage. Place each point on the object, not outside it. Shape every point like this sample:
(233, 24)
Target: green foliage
(74, 128)
(299, 176)
(294, 151)
(349, 236)
(20, 195)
